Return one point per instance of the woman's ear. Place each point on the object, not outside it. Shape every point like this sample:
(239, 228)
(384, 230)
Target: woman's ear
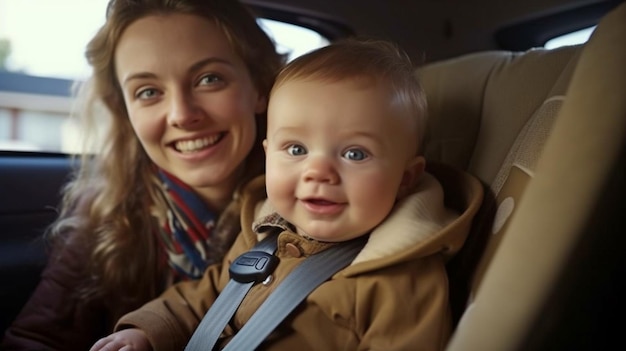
(265, 145)
(410, 178)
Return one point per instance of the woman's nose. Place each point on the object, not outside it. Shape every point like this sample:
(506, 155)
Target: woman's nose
(321, 169)
(183, 111)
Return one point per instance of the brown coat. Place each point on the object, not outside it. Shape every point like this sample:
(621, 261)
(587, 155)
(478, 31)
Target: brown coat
(394, 296)
(56, 317)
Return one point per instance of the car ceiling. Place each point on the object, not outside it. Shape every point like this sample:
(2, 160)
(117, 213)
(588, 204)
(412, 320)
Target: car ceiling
(437, 29)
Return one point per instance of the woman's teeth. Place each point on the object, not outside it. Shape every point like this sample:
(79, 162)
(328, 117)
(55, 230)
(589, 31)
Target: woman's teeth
(197, 144)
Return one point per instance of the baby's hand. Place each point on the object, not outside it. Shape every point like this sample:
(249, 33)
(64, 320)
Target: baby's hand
(124, 340)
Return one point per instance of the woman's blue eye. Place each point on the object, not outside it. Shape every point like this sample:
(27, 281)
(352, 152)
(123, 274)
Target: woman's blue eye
(147, 94)
(296, 150)
(209, 79)
(355, 155)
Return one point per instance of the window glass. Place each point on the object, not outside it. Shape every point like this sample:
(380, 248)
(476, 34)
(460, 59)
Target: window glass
(292, 40)
(47, 38)
(577, 37)
(42, 46)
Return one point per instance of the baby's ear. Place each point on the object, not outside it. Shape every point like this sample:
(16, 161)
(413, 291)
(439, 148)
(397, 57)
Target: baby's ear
(412, 173)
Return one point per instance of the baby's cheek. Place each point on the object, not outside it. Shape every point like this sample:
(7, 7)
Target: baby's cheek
(379, 198)
(279, 184)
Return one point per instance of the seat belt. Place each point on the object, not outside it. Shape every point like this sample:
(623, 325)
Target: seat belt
(259, 263)
(312, 272)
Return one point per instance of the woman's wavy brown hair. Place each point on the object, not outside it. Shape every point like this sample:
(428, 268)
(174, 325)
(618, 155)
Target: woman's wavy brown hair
(111, 201)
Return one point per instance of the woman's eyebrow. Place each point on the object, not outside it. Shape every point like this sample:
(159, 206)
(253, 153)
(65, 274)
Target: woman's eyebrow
(209, 60)
(138, 75)
(194, 67)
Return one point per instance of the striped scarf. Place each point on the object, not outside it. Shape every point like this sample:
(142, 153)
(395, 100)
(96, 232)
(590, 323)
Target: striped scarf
(190, 235)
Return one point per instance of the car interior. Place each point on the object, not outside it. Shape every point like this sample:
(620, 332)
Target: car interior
(543, 129)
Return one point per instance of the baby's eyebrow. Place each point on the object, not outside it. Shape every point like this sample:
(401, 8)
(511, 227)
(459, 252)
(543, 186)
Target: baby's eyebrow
(289, 130)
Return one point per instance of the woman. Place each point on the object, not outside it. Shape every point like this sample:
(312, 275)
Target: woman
(184, 86)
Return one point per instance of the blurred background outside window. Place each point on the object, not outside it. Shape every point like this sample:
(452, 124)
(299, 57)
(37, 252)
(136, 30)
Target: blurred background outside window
(42, 46)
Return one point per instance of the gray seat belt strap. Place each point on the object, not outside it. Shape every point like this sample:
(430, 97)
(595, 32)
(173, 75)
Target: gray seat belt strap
(259, 261)
(312, 272)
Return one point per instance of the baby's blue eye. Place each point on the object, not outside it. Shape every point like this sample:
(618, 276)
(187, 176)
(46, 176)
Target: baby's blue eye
(296, 150)
(355, 155)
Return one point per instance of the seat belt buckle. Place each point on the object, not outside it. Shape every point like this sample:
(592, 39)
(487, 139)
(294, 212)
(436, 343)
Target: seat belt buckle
(253, 266)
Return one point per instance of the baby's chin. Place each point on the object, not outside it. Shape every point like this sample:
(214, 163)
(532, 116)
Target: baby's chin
(331, 236)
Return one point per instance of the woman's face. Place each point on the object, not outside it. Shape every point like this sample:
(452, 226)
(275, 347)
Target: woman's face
(190, 99)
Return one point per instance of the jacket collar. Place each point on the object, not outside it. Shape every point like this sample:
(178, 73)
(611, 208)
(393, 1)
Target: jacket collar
(414, 222)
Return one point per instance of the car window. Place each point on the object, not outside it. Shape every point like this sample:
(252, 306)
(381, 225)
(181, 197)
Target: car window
(573, 38)
(38, 66)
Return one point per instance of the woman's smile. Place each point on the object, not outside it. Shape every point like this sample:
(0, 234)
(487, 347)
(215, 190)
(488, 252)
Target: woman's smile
(195, 145)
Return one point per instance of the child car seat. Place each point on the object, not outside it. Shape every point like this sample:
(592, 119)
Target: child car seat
(544, 130)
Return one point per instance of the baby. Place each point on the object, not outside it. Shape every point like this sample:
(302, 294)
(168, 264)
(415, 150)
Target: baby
(343, 160)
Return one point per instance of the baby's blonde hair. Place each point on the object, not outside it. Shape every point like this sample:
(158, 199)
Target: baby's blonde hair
(380, 61)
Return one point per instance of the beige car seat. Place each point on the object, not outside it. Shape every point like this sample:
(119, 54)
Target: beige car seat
(490, 114)
(544, 130)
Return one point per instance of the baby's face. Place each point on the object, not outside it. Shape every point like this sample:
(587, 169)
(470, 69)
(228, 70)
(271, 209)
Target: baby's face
(336, 156)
